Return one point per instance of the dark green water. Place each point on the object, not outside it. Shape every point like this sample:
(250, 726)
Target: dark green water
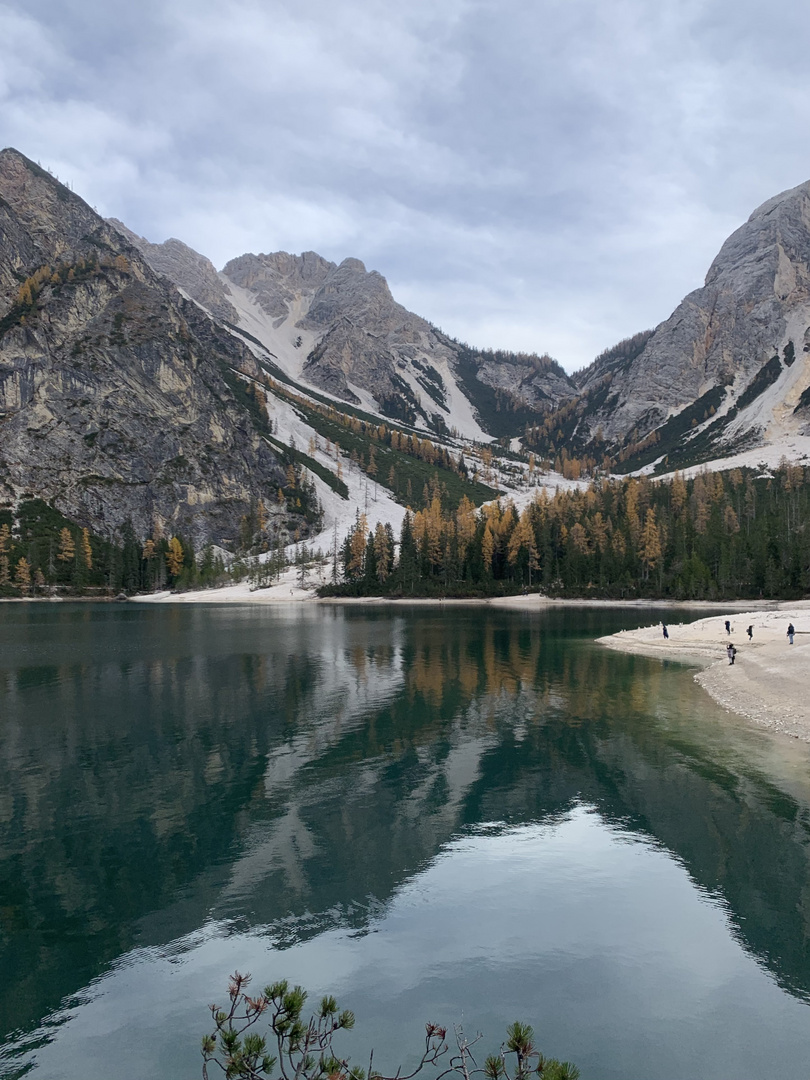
(458, 814)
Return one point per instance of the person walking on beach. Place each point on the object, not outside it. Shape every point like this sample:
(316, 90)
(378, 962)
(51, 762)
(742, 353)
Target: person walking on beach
(728, 627)
(791, 630)
(666, 632)
(750, 632)
(731, 652)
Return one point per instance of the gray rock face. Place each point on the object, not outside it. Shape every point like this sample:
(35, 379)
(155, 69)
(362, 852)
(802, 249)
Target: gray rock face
(534, 382)
(115, 392)
(280, 282)
(755, 300)
(192, 272)
(363, 334)
(365, 339)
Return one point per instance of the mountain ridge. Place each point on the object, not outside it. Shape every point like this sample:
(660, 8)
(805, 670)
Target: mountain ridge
(640, 403)
(119, 399)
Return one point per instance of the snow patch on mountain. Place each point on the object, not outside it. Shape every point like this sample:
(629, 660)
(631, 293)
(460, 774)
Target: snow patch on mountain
(288, 344)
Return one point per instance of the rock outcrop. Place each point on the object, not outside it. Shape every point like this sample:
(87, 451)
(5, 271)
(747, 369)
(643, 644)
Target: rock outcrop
(119, 398)
(361, 339)
(734, 352)
(193, 273)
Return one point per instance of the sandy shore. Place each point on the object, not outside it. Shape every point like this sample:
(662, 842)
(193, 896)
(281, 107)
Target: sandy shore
(288, 591)
(769, 682)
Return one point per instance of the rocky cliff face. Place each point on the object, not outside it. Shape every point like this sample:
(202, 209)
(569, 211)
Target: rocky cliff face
(735, 350)
(357, 342)
(189, 270)
(360, 340)
(118, 398)
(729, 369)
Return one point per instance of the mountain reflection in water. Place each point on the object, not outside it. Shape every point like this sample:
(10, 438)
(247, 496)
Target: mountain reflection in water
(164, 769)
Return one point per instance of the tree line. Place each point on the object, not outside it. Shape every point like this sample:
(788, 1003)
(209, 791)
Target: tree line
(714, 536)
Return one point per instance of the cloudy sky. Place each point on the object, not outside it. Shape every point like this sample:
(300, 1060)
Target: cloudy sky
(547, 175)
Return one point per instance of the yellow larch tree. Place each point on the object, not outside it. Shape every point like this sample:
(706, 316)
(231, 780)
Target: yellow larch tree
(381, 551)
(650, 545)
(5, 548)
(357, 546)
(22, 576)
(67, 546)
(87, 551)
(174, 557)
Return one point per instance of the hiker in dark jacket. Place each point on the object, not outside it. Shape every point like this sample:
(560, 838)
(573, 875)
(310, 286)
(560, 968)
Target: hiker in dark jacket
(666, 632)
(728, 627)
(750, 632)
(791, 630)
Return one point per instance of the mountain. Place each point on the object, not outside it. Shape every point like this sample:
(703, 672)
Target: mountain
(729, 369)
(120, 399)
(137, 382)
(339, 329)
(193, 273)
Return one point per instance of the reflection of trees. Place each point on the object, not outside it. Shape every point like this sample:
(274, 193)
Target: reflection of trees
(301, 769)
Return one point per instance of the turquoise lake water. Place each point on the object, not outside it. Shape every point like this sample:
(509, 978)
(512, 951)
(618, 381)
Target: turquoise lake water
(462, 815)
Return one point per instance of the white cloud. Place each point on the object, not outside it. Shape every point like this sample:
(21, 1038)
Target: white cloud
(544, 175)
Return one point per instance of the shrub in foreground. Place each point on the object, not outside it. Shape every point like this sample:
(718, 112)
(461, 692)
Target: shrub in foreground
(293, 1048)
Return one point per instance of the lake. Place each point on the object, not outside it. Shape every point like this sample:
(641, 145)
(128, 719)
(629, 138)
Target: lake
(463, 815)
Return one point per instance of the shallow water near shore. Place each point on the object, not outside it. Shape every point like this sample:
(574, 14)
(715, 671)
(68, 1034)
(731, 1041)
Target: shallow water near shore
(464, 815)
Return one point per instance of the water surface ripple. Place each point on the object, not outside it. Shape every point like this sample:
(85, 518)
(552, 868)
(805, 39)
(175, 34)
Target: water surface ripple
(459, 815)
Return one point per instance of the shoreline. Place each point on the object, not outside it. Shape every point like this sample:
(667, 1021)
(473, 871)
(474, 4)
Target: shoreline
(286, 591)
(768, 682)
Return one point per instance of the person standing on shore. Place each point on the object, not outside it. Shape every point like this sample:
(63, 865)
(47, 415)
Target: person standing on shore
(791, 630)
(728, 626)
(666, 632)
(750, 632)
(731, 652)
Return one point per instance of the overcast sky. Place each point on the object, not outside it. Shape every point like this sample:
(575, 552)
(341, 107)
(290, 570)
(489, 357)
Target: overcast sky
(547, 175)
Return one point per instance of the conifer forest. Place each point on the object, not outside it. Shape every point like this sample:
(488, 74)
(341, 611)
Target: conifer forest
(738, 534)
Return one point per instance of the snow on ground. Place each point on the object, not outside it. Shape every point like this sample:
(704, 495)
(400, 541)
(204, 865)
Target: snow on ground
(794, 448)
(286, 590)
(364, 495)
(774, 430)
(524, 496)
(280, 335)
(277, 335)
(460, 414)
(772, 411)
